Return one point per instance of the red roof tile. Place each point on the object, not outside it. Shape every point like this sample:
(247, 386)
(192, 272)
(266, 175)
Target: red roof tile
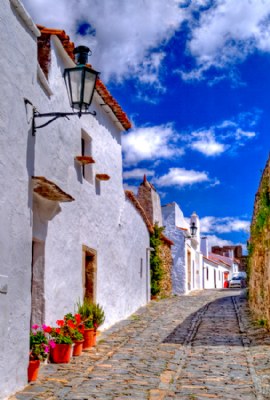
(44, 58)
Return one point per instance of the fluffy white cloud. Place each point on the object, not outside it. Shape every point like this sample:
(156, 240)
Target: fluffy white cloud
(214, 240)
(228, 134)
(206, 143)
(123, 35)
(150, 143)
(223, 225)
(137, 173)
(227, 33)
(180, 177)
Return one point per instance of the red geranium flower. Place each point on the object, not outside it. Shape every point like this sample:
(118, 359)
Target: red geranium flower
(60, 322)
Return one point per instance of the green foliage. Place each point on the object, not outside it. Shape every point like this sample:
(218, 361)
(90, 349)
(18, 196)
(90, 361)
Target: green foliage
(155, 260)
(92, 314)
(98, 315)
(263, 210)
(85, 310)
(262, 322)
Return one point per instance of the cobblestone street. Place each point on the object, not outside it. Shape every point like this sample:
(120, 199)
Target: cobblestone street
(201, 346)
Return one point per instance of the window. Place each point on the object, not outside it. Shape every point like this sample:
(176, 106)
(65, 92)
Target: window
(207, 274)
(86, 150)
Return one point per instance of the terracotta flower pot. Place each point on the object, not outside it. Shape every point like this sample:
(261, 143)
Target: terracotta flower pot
(78, 347)
(33, 368)
(89, 338)
(61, 353)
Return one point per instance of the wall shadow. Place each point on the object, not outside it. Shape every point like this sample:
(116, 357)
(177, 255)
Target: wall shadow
(218, 326)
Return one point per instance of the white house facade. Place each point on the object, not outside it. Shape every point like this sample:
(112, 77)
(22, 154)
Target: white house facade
(217, 269)
(187, 257)
(67, 230)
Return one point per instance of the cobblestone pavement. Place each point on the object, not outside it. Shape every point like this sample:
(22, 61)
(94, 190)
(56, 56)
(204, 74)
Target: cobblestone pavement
(201, 346)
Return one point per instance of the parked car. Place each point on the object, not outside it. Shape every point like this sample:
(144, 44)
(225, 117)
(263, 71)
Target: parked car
(237, 281)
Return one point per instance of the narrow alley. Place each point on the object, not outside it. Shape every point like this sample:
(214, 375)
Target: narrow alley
(200, 346)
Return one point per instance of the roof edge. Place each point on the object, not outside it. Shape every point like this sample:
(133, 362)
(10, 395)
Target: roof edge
(25, 17)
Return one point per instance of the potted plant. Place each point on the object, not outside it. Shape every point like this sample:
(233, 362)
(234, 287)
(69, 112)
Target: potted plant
(92, 315)
(98, 318)
(39, 349)
(85, 310)
(76, 329)
(61, 352)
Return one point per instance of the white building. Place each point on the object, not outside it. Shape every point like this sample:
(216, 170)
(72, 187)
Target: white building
(187, 257)
(65, 231)
(216, 268)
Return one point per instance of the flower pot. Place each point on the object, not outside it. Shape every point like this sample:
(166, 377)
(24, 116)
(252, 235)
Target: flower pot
(33, 368)
(78, 347)
(61, 353)
(89, 338)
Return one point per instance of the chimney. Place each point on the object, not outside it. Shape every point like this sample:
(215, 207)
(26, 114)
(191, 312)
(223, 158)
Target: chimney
(204, 246)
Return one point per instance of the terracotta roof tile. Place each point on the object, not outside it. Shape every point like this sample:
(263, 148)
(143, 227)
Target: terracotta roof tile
(44, 58)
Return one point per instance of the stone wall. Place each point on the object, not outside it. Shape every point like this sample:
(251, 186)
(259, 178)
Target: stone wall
(167, 261)
(259, 251)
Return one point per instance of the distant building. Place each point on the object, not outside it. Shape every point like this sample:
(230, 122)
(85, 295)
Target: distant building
(187, 257)
(232, 251)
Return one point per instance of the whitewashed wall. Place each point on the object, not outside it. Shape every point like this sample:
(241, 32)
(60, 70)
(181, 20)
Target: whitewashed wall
(100, 217)
(17, 79)
(210, 282)
(173, 219)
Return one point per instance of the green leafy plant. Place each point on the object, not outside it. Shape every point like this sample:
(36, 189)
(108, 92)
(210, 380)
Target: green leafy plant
(98, 315)
(85, 309)
(40, 343)
(155, 260)
(92, 314)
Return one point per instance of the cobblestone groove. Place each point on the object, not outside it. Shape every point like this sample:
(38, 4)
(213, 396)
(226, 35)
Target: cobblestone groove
(188, 347)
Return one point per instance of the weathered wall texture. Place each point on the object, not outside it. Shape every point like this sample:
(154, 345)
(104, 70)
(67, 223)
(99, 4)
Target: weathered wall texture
(259, 251)
(100, 217)
(150, 201)
(167, 261)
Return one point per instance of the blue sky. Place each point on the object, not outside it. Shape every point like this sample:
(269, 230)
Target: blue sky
(194, 78)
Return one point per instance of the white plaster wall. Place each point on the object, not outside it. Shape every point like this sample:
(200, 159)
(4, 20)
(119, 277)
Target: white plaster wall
(210, 283)
(179, 278)
(173, 218)
(102, 220)
(157, 214)
(17, 79)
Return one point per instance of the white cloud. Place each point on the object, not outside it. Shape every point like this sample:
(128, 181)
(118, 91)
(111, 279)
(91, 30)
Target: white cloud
(214, 240)
(227, 33)
(180, 177)
(206, 143)
(137, 173)
(226, 135)
(123, 35)
(223, 225)
(150, 143)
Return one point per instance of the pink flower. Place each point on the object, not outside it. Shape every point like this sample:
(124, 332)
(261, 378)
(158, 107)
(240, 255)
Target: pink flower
(52, 344)
(44, 327)
(46, 349)
(35, 326)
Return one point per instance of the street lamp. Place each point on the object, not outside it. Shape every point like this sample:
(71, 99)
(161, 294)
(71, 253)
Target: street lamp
(193, 229)
(80, 83)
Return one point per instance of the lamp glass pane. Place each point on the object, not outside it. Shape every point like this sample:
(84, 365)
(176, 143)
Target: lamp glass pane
(76, 87)
(89, 86)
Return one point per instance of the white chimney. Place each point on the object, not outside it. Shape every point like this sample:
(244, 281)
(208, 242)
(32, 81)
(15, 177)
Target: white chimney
(204, 246)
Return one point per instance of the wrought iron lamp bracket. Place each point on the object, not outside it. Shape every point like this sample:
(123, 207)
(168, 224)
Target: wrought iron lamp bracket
(55, 116)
